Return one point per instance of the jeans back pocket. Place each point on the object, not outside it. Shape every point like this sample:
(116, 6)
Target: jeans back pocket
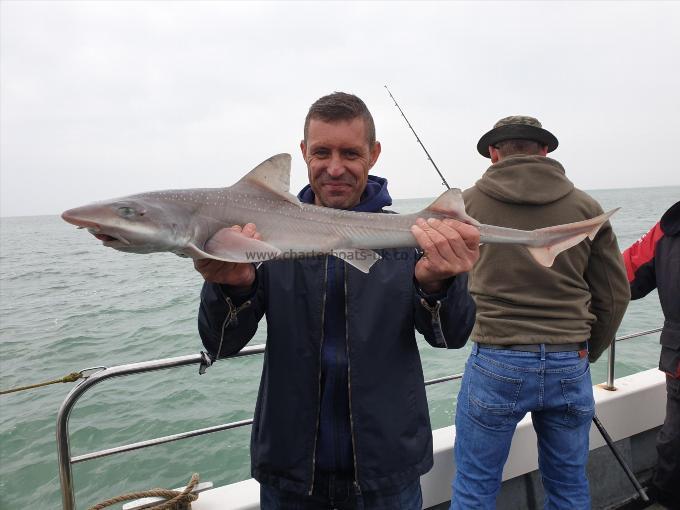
(578, 393)
(492, 398)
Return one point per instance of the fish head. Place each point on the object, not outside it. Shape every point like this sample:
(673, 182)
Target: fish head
(130, 224)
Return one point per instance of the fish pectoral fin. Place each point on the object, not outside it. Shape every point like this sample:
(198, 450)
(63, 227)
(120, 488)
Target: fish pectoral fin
(231, 246)
(271, 176)
(450, 203)
(357, 258)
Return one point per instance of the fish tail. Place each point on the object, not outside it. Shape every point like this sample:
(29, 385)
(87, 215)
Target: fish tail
(562, 237)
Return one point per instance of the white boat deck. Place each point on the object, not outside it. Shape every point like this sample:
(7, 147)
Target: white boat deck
(637, 405)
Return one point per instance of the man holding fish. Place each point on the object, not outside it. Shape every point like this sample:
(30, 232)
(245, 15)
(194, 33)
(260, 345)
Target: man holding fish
(537, 328)
(341, 419)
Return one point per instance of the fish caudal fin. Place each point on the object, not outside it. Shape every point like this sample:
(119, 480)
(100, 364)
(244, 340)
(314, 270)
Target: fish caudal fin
(450, 204)
(545, 255)
(559, 238)
(601, 219)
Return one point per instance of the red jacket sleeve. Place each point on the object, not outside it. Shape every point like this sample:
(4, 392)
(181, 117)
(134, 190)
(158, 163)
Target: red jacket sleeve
(639, 261)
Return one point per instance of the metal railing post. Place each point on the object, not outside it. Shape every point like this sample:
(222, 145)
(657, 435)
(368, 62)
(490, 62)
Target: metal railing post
(611, 363)
(612, 355)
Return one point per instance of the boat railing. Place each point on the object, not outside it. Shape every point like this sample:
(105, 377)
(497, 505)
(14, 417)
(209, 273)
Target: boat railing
(66, 461)
(611, 354)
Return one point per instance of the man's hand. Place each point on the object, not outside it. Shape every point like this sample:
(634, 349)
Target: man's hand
(450, 247)
(230, 273)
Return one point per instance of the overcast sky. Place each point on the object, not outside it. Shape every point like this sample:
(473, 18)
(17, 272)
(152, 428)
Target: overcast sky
(104, 99)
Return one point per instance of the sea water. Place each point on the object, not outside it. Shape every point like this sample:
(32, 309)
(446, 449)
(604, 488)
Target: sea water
(67, 303)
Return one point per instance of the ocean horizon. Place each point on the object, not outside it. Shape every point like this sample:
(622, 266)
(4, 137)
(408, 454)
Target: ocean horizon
(395, 199)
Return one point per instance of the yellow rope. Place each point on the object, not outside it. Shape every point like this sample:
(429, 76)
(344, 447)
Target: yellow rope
(174, 498)
(72, 377)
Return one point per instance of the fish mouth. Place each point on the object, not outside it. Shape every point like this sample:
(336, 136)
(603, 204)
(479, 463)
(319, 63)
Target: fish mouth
(108, 239)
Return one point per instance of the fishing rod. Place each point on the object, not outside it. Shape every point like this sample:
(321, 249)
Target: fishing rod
(418, 138)
(605, 435)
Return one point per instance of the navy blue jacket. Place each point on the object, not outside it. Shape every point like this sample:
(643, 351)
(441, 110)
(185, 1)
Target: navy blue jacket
(334, 452)
(391, 438)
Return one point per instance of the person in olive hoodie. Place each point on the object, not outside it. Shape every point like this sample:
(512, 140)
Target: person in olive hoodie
(653, 262)
(536, 327)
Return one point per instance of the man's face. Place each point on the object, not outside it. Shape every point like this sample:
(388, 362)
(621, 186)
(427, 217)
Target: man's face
(338, 159)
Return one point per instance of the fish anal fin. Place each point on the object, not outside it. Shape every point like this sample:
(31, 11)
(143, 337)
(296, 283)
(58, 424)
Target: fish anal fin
(272, 176)
(231, 246)
(450, 204)
(357, 258)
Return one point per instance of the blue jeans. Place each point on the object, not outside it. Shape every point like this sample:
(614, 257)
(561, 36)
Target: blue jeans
(499, 387)
(336, 496)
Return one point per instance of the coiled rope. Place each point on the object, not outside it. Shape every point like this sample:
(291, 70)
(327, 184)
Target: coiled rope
(175, 499)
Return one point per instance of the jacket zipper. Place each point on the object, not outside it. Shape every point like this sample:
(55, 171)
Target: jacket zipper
(357, 488)
(318, 406)
(436, 320)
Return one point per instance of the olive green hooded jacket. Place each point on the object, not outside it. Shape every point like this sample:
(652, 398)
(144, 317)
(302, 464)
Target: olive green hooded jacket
(583, 296)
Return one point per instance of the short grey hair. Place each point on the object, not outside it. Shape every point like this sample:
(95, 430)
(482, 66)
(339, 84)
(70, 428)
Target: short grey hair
(341, 106)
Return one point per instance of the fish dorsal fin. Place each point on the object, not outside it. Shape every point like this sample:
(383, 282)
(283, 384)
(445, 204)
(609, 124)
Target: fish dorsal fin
(272, 176)
(450, 203)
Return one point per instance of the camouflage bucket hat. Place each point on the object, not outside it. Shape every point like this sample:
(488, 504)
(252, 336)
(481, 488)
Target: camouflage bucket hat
(516, 127)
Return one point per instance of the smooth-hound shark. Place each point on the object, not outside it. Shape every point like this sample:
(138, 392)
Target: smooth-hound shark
(190, 222)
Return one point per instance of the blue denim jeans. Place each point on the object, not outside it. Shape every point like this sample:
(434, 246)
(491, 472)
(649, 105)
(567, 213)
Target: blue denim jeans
(499, 387)
(341, 497)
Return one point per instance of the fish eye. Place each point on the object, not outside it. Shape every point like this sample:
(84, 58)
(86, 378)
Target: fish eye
(126, 212)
